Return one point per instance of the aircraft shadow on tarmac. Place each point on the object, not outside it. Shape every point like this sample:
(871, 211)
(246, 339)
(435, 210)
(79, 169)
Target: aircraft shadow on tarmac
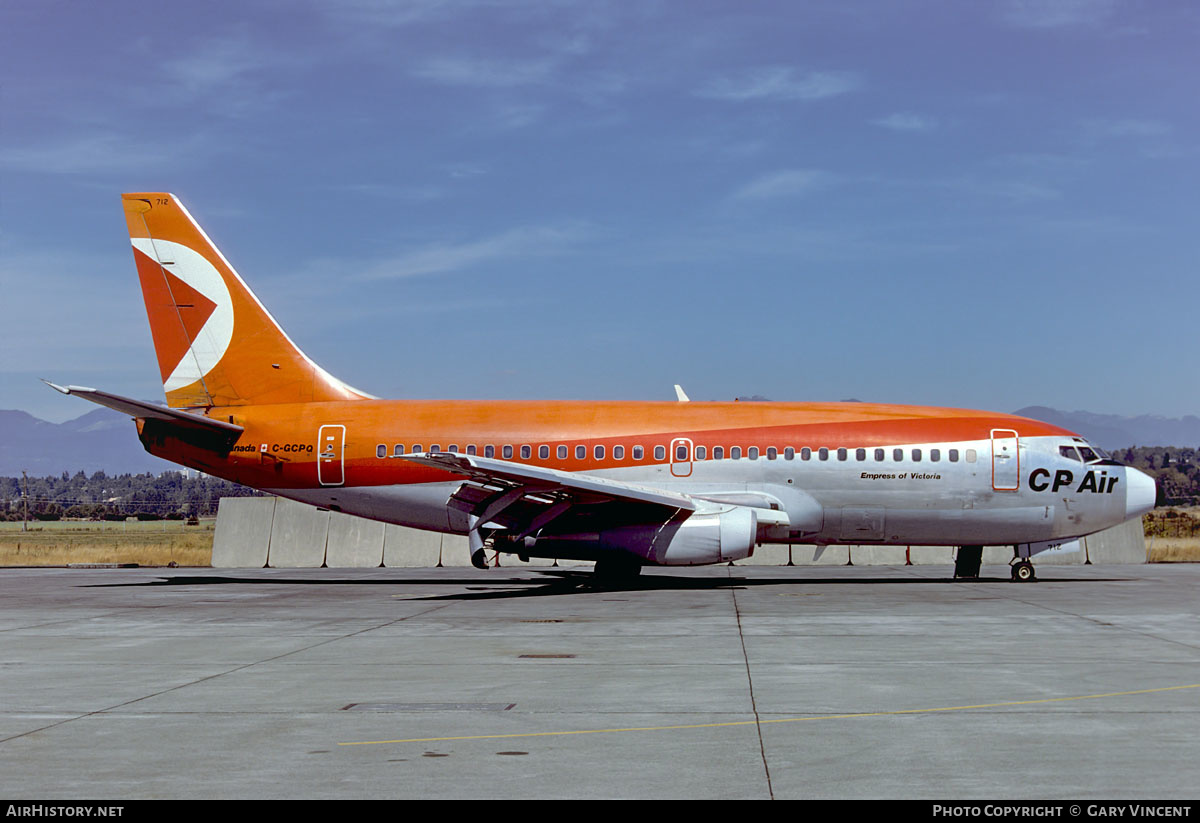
(557, 582)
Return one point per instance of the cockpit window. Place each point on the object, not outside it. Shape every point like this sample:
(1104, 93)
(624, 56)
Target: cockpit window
(1085, 453)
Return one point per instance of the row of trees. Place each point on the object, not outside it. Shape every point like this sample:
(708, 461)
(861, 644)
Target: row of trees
(170, 495)
(1176, 471)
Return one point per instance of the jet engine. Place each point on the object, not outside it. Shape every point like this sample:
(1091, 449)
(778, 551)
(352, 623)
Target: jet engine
(717, 535)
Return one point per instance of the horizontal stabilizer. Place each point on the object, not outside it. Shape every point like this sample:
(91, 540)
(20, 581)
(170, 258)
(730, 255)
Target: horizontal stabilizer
(149, 411)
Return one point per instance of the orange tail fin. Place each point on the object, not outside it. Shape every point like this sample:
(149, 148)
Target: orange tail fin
(216, 343)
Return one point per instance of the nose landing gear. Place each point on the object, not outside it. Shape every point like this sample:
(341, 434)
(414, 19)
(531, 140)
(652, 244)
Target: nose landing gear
(1022, 572)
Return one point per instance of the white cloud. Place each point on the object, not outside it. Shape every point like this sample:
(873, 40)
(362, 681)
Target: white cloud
(445, 258)
(460, 71)
(94, 153)
(1056, 14)
(216, 64)
(1127, 128)
(785, 183)
(906, 121)
(780, 83)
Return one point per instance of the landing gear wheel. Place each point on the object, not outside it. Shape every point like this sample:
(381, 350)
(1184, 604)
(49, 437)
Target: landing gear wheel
(479, 559)
(1023, 572)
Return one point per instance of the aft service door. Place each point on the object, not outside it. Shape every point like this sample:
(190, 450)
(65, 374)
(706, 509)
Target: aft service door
(331, 447)
(681, 457)
(1006, 461)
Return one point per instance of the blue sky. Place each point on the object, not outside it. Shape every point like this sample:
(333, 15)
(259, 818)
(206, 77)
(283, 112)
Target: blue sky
(978, 204)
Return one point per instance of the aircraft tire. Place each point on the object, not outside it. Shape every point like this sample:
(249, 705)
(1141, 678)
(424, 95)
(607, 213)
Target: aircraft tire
(1023, 572)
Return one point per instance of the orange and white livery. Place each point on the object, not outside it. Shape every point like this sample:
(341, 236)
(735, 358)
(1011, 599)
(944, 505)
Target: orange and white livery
(625, 484)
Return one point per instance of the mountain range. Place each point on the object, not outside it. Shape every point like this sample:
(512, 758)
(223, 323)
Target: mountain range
(105, 440)
(101, 440)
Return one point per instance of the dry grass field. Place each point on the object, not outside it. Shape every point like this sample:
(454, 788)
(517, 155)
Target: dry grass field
(1173, 534)
(1173, 549)
(64, 543)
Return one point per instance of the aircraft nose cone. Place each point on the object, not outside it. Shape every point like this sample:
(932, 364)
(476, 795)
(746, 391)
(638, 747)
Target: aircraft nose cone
(1140, 493)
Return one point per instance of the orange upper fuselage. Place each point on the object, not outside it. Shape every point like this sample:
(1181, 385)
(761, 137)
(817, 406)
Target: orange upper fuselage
(279, 448)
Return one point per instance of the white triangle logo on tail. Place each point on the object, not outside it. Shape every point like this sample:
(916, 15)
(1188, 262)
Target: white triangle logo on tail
(210, 343)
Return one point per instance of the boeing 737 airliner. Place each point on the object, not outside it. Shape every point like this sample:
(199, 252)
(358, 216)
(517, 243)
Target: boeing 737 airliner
(623, 484)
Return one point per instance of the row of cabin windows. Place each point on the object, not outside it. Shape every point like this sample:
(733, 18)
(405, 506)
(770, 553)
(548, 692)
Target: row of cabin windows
(681, 453)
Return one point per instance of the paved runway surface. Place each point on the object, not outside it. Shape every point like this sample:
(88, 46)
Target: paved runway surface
(709, 683)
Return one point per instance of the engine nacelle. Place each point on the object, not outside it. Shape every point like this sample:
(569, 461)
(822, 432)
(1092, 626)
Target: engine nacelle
(717, 535)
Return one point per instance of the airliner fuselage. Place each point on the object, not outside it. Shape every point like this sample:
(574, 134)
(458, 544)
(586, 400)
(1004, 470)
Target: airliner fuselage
(624, 484)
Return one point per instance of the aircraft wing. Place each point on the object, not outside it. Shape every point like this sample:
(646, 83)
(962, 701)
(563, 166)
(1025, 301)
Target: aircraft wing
(523, 499)
(544, 482)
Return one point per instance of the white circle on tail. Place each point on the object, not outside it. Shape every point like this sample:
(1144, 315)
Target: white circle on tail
(212, 340)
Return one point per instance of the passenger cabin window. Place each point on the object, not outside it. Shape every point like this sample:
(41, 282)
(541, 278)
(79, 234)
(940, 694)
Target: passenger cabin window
(752, 452)
(718, 452)
(618, 452)
(897, 455)
(580, 452)
(562, 452)
(452, 449)
(823, 453)
(489, 451)
(972, 456)
(638, 452)
(435, 448)
(381, 450)
(842, 454)
(398, 450)
(526, 452)
(772, 453)
(598, 452)
(789, 453)
(543, 452)
(660, 453)
(701, 451)
(471, 449)
(935, 455)
(806, 453)
(417, 448)
(681, 454)
(735, 453)
(916, 455)
(953, 455)
(507, 452)
(860, 454)
(879, 455)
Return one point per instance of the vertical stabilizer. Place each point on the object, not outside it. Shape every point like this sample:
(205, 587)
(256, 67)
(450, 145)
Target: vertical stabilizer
(216, 343)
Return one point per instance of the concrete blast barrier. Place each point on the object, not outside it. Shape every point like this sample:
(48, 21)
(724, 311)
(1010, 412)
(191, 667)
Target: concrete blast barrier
(411, 548)
(253, 532)
(1125, 543)
(243, 534)
(298, 536)
(354, 542)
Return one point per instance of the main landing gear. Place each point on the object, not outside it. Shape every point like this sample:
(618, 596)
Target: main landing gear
(617, 568)
(966, 562)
